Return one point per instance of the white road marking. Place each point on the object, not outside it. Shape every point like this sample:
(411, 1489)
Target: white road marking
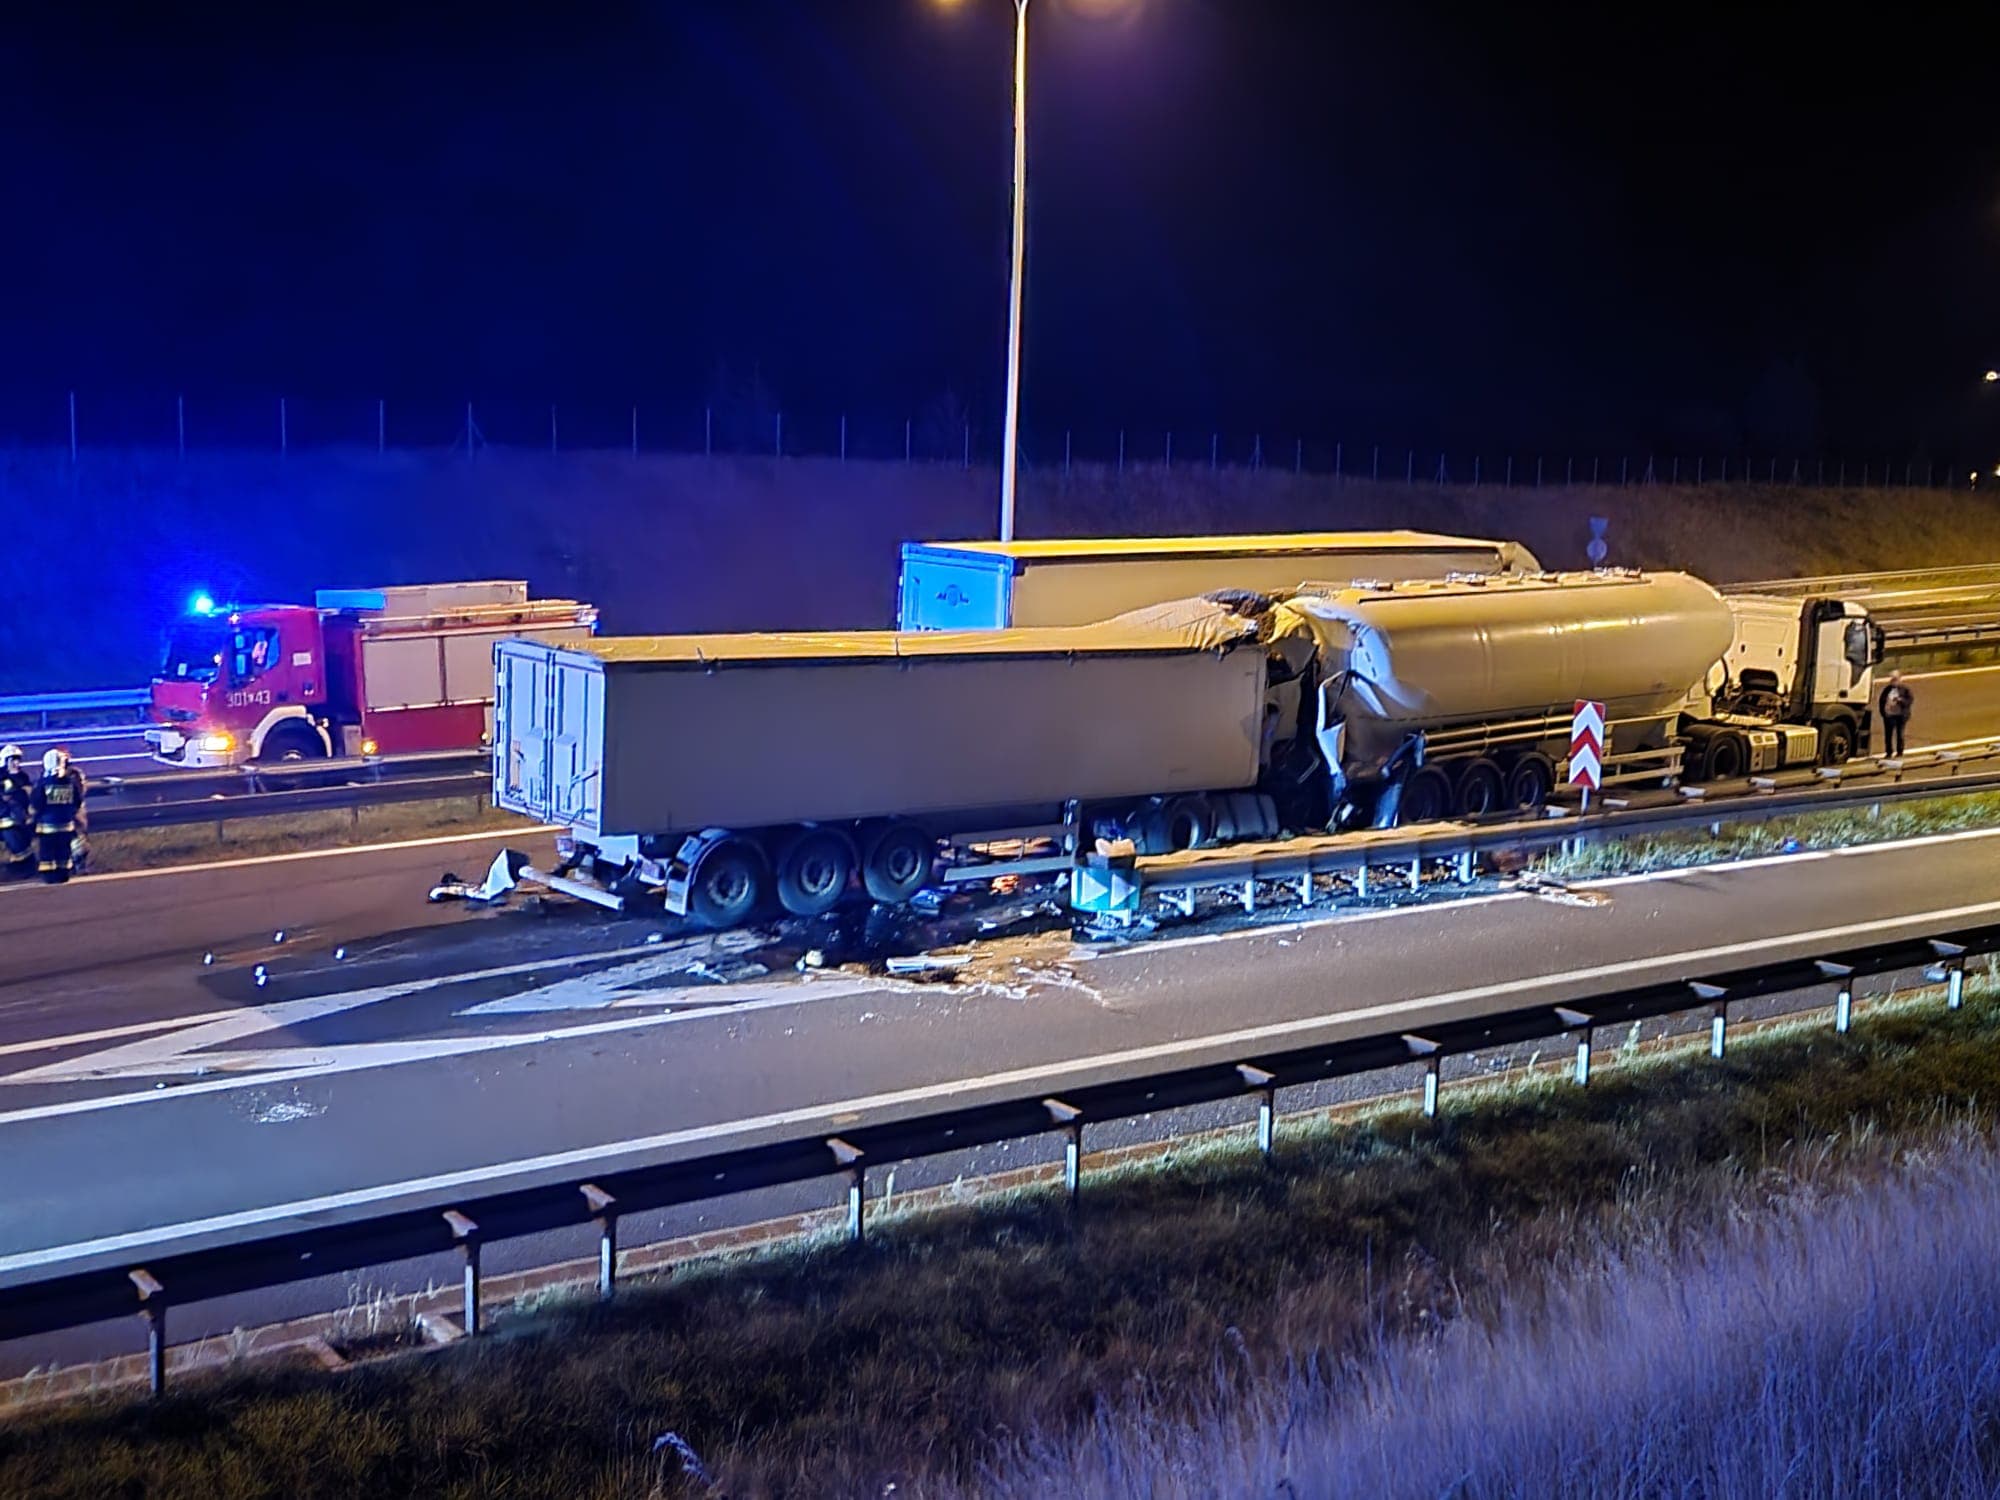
(295, 1064)
(486, 836)
(110, 1033)
(164, 1053)
(158, 1241)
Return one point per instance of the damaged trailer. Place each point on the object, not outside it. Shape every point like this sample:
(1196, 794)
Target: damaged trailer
(719, 772)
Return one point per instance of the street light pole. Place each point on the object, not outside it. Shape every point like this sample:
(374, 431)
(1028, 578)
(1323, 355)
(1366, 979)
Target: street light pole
(1011, 455)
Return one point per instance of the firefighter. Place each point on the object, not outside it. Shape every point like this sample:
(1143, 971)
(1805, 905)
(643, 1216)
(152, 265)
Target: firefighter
(17, 819)
(58, 809)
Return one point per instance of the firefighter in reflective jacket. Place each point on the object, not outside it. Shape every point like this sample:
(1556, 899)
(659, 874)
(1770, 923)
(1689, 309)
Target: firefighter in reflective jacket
(58, 808)
(17, 818)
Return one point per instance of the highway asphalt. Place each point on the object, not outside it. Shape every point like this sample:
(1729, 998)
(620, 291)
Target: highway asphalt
(147, 1078)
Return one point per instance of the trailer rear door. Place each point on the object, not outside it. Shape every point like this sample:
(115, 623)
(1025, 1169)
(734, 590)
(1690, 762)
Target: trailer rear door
(548, 734)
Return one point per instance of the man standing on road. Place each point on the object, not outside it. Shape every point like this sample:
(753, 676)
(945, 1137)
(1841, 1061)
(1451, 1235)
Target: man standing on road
(1894, 706)
(58, 808)
(17, 818)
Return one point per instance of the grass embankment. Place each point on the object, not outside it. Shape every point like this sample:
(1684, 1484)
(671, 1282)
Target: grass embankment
(1828, 830)
(249, 838)
(830, 1369)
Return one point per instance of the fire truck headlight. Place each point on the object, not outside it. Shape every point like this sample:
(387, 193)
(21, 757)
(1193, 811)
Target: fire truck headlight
(218, 744)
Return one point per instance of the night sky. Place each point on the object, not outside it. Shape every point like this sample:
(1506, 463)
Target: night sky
(1513, 225)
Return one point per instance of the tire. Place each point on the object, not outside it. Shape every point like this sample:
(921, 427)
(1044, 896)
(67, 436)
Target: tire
(898, 863)
(1426, 796)
(291, 742)
(1836, 742)
(1190, 823)
(1481, 789)
(1530, 781)
(728, 885)
(814, 871)
(1151, 832)
(1724, 757)
(1246, 815)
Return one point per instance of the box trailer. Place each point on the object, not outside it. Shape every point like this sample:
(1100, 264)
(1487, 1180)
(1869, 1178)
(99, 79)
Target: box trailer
(720, 768)
(993, 585)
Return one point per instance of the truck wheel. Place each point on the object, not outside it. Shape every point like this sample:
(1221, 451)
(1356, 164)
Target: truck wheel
(292, 742)
(898, 863)
(813, 872)
(1426, 796)
(1531, 780)
(1190, 823)
(1723, 758)
(1481, 788)
(728, 885)
(1836, 742)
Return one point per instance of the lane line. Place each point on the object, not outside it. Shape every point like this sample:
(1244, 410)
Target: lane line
(110, 1033)
(151, 1241)
(431, 842)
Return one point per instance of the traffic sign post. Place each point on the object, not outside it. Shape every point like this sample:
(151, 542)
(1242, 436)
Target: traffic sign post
(1586, 748)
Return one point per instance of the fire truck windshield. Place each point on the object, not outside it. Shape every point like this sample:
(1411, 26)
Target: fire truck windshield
(195, 650)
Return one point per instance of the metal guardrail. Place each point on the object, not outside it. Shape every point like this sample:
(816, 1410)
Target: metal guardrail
(150, 1271)
(1964, 575)
(44, 706)
(167, 798)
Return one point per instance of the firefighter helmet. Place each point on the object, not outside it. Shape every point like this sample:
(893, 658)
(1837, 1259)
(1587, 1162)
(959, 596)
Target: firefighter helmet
(9, 754)
(56, 763)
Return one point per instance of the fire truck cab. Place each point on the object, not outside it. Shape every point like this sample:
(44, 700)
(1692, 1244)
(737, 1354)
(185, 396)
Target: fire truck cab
(359, 672)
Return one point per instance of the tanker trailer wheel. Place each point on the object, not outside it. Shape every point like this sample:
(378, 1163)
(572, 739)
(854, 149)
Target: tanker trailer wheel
(1529, 783)
(899, 863)
(1426, 796)
(728, 884)
(1724, 757)
(813, 871)
(1481, 788)
(1190, 823)
(1836, 742)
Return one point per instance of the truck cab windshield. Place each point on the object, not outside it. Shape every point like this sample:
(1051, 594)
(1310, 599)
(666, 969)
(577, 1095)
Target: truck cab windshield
(194, 653)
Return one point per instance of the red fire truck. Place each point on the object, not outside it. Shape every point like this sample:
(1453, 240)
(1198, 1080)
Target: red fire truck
(385, 671)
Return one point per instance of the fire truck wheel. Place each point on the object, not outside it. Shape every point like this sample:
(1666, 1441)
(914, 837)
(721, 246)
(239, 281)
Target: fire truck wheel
(292, 742)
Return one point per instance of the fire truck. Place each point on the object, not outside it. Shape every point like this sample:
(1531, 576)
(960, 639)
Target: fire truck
(359, 672)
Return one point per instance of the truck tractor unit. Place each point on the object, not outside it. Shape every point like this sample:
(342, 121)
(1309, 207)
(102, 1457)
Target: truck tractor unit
(359, 672)
(998, 585)
(720, 771)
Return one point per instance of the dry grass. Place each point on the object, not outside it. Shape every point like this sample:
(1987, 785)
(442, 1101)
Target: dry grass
(1828, 830)
(1182, 1292)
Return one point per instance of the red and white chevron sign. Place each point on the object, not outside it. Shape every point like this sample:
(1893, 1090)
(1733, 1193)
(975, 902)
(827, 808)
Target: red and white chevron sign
(1586, 745)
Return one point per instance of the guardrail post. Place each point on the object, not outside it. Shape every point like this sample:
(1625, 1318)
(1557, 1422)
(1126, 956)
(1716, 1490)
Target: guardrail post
(1361, 880)
(1718, 1022)
(1266, 1085)
(1248, 895)
(467, 1234)
(1305, 887)
(1954, 972)
(153, 1304)
(1576, 1018)
(1465, 867)
(1843, 999)
(1424, 1047)
(1416, 873)
(604, 1208)
(849, 1156)
(1070, 1118)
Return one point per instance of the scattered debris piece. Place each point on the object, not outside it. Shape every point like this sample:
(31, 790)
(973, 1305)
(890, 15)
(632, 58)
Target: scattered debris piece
(728, 970)
(1548, 888)
(928, 963)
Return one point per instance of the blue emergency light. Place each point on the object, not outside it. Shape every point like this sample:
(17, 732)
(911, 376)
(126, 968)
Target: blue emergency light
(201, 604)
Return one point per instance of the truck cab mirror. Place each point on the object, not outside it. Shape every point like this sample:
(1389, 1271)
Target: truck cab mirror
(1862, 646)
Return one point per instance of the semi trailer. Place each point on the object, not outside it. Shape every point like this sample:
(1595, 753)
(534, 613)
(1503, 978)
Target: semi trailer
(995, 585)
(719, 771)
(358, 672)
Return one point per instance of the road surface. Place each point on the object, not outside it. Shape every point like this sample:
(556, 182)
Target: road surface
(147, 1077)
